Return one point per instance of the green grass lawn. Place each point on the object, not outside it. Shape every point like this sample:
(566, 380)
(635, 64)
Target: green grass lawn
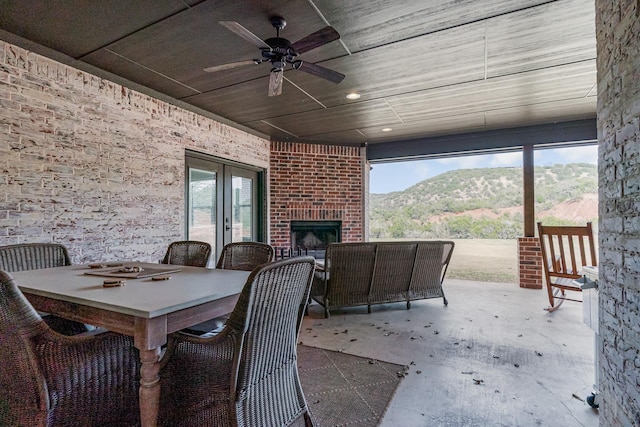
(483, 260)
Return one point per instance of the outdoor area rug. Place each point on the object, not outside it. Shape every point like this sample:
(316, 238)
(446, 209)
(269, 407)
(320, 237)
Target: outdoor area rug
(342, 389)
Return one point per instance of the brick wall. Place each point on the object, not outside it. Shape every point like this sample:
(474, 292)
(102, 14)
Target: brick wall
(97, 166)
(530, 263)
(316, 182)
(618, 34)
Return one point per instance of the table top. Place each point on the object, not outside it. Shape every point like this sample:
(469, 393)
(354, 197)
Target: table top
(143, 297)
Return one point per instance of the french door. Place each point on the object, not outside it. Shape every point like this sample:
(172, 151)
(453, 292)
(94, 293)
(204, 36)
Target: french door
(222, 202)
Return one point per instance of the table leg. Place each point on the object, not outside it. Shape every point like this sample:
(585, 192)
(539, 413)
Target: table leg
(149, 387)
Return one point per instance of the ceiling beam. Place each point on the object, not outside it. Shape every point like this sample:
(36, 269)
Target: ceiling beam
(577, 131)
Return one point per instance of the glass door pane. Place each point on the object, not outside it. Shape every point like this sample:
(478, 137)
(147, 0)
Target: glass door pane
(243, 213)
(203, 206)
(241, 209)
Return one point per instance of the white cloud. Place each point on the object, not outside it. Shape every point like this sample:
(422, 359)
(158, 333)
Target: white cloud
(583, 154)
(505, 159)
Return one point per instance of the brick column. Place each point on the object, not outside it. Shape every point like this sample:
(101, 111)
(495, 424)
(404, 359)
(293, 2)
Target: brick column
(316, 182)
(529, 263)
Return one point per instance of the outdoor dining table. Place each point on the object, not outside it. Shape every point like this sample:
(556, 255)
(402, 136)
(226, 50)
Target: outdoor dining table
(153, 303)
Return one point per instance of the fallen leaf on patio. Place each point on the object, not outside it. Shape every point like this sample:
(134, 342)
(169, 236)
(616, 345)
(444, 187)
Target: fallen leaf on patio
(497, 391)
(516, 365)
(353, 339)
(401, 374)
(519, 336)
(413, 338)
(495, 316)
(538, 353)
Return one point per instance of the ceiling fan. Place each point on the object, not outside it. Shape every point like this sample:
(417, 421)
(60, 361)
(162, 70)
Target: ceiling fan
(280, 52)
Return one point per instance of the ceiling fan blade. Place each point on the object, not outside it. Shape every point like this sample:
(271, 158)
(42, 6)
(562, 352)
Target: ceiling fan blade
(275, 82)
(244, 33)
(229, 65)
(317, 70)
(317, 39)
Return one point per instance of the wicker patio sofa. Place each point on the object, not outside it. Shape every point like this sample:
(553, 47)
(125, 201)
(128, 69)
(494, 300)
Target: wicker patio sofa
(381, 272)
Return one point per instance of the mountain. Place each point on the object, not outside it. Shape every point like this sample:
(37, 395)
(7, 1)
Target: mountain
(484, 203)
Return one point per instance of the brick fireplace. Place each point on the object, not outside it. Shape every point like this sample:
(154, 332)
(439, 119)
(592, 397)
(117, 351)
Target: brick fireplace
(317, 185)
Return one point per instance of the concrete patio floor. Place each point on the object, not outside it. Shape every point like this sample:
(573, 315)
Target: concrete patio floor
(492, 357)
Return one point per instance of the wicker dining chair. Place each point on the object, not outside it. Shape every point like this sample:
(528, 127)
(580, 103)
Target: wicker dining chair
(48, 379)
(235, 256)
(245, 255)
(34, 256)
(188, 252)
(247, 375)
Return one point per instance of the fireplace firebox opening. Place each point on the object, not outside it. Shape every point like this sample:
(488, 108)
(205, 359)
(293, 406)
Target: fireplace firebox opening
(313, 237)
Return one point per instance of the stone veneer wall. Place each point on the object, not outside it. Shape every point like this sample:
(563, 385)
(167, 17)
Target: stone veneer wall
(94, 165)
(316, 182)
(618, 35)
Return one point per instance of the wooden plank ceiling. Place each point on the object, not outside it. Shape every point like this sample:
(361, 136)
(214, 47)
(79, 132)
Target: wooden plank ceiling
(423, 67)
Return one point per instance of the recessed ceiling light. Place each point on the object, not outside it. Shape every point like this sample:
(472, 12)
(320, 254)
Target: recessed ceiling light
(387, 130)
(353, 95)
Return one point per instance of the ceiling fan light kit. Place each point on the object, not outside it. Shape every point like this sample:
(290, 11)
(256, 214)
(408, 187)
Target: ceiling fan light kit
(279, 52)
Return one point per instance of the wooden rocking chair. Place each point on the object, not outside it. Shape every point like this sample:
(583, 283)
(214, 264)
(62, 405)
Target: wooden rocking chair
(565, 250)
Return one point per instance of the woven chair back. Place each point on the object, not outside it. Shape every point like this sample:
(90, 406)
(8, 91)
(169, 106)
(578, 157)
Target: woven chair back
(188, 252)
(245, 255)
(33, 256)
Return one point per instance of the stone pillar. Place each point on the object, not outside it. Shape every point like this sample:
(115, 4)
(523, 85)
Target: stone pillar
(618, 34)
(529, 263)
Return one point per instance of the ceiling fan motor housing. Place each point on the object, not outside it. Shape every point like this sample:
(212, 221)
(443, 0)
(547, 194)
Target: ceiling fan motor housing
(280, 53)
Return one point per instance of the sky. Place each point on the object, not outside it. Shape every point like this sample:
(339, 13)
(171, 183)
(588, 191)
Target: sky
(397, 176)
